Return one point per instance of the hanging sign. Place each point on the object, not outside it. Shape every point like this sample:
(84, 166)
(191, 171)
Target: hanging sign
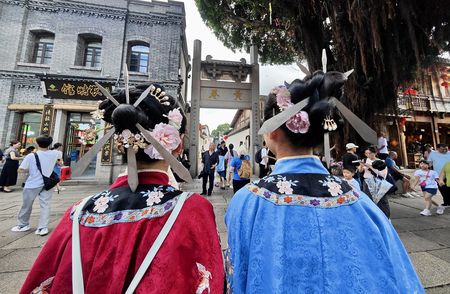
(47, 119)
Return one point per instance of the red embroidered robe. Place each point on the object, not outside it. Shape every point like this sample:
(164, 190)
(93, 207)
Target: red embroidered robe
(114, 243)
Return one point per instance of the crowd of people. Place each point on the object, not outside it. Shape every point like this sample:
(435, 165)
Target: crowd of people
(379, 162)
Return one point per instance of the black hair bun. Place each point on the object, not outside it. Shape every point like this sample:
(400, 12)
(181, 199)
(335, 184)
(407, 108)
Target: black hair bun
(126, 116)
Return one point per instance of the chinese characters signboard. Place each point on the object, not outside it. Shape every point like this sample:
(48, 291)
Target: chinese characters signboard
(107, 148)
(47, 119)
(82, 90)
(223, 96)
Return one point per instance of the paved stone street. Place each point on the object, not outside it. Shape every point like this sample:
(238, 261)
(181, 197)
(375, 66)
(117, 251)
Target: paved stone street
(427, 239)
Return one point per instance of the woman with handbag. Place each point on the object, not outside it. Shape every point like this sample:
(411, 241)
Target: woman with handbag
(141, 235)
(426, 178)
(8, 177)
(301, 229)
(375, 168)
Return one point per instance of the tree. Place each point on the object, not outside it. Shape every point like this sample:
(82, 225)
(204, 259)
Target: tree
(220, 130)
(386, 42)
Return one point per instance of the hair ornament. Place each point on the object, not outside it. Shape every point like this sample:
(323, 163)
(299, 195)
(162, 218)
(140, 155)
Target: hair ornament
(329, 124)
(298, 122)
(157, 143)
(160, 95)
(127, 140)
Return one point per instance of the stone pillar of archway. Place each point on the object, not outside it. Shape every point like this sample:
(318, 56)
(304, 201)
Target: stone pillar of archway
(255, 122)
(195, 107)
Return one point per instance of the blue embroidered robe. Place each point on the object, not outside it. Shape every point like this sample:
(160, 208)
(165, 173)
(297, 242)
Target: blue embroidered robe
(301, 230)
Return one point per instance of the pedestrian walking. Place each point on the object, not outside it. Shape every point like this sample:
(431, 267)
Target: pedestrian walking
(397, 175)
(106, 243)
(38, 165)
(382, 146)
(438, 159)
(262, 158)
(221, 166)
(370, 171)
(242, 171)
(228, 159)
(444, 179)
(300, 229)
(8, 177)
(58, 165)
(350, 160)
(210, 159)
(426, 179)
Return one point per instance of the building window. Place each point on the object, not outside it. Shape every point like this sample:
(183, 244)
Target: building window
(89, 51)
(138, 58)
(93, 54)
(43, 48)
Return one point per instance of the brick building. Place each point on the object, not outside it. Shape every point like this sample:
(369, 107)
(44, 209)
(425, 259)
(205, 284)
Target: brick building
(60, 48)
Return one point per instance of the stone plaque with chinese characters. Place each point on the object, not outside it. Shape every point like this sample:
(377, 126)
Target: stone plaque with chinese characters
(225, 95)
(47, 120)
(66, 89)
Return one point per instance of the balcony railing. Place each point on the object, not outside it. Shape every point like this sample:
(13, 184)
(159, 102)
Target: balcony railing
(423, 103)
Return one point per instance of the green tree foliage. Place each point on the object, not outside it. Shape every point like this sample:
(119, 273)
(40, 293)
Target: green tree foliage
(220, 130)
(384, 41)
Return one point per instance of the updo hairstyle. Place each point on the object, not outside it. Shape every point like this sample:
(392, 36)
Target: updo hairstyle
(148, 113)
(318, 108)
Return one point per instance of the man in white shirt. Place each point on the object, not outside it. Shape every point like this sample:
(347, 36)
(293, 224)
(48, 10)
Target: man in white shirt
(383, 152)
(438, 159)
(34, 185)
(263, 164)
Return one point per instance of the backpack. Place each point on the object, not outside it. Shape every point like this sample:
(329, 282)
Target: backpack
(258, 157)
(245, 171)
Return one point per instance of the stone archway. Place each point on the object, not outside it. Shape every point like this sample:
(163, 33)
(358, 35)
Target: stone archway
(225, 85)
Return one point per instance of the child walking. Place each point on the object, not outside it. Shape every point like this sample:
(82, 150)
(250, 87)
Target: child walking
(426, 179)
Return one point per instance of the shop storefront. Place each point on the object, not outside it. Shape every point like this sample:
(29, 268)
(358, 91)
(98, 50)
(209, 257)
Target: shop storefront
(72, 101)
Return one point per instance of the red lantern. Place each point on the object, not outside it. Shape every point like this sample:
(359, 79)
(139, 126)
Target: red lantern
(402, 121)
(225, 137)
(445, 85)
(410, 91)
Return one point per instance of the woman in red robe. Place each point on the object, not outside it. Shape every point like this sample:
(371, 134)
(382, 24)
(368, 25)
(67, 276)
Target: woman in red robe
(117, 227)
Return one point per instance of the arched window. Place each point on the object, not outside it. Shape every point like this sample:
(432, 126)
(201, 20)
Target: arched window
(43, 47)
(138, 57)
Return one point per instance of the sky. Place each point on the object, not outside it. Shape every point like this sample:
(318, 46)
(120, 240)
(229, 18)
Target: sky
(270, 76)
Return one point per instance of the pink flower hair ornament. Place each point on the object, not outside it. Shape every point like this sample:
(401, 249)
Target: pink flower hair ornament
(298, 123)
(175, 118)
(167, 135)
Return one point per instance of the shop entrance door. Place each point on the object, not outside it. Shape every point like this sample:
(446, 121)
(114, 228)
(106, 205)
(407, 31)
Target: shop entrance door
(29, 128)
(81, 136)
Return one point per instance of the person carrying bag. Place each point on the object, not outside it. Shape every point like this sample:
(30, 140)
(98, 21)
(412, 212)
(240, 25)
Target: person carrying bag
(49, 182)
(37, 184)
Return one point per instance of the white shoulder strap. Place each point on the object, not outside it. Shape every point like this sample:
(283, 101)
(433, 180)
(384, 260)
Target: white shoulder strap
(77, 271)
(157, 244)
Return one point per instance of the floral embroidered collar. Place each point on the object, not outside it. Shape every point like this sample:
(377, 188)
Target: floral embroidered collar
(317, 185)
(122, 205)
(314, 190)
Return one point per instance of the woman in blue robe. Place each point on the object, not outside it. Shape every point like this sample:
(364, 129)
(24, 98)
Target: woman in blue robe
(302, 230)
